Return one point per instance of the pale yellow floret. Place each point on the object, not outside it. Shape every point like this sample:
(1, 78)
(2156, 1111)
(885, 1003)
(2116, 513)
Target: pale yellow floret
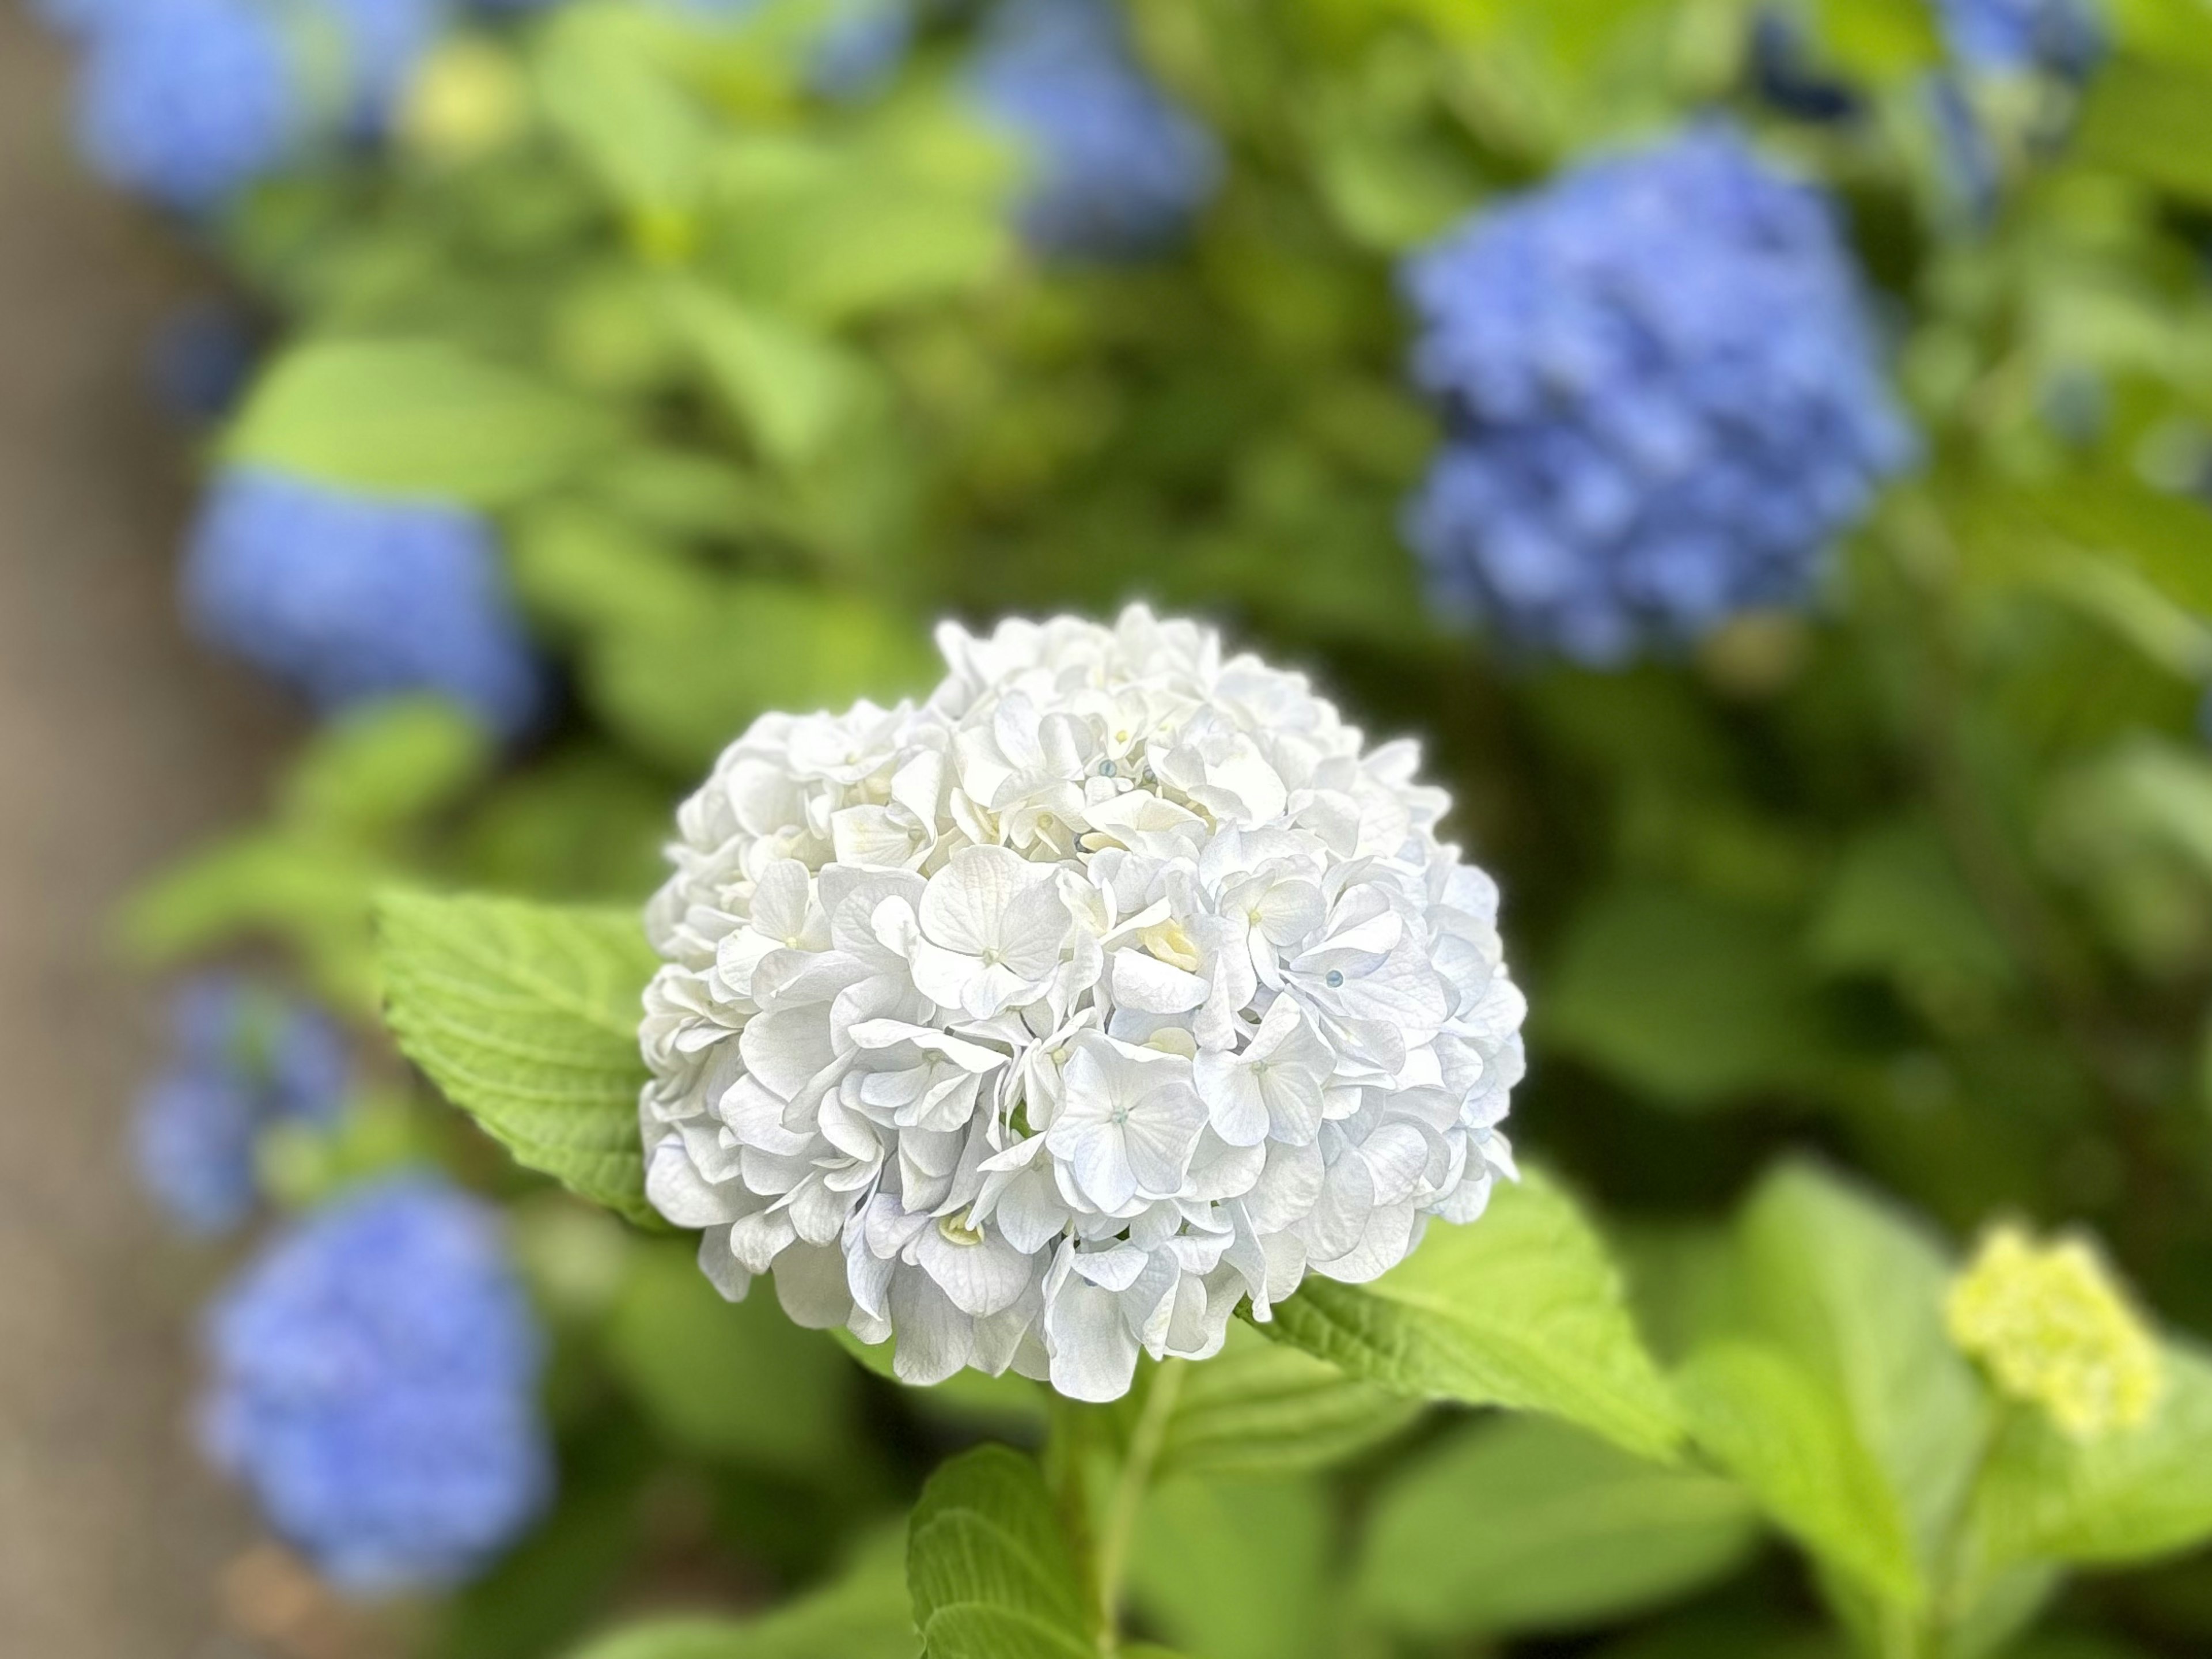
(2054, 1327)
(467, 99)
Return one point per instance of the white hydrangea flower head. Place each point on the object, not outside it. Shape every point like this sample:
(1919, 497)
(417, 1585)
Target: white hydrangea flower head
(1044, 1023)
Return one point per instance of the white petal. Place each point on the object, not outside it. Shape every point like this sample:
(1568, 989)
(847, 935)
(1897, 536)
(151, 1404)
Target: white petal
(673, 1186)
(1153, 987)
(812, 1285)
(934, 1337)
(723, 1270)
(1094, 1352)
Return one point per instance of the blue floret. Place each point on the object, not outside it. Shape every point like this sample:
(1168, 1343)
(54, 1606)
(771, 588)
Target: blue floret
(1119, 170)
(1661, 397)
(375, 1384)
(2062, 37)
(243, 1060)
(348, 598)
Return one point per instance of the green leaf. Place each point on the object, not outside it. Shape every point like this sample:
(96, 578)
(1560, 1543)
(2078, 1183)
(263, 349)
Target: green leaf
(1522, 1308)
(1897, 906)
(1690, 999)
(1770, 1424)
(311, 893)
(1261, 1408)
(682, 686)
(734, 1380)
(605, 86)
(989, 1567)
(1238, 1570)
(526, 1016)
(415, 418)
(2153, 121)
(2131, 1496)
(796, 390)
(1521, 1524)
(1852, 1290)
(382, 769)
(864, 1614)
(908, 207)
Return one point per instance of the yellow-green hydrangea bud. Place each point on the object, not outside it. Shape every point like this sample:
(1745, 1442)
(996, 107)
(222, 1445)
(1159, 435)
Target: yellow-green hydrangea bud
(2054, 1327)
(467, 99)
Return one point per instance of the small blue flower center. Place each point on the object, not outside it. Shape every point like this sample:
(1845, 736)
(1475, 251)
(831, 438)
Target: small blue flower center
(1334, 979)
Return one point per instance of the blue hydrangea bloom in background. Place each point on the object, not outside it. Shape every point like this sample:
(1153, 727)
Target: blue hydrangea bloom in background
(189, 101)
(1662, 399)
(244, 1059)
(375, 1384)
(1119, 170)
(2063, 37)
(348, 598)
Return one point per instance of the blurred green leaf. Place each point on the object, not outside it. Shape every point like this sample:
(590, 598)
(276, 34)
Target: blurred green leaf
(1774, 1426)
(1690, 999)
(312, 894)
(604, 86)
(1852, 1290)
(2153, 121)
(2133, 1496)
(684, 686)
(1524, 1524)
(417, 418)
(906, 206)
(526, 1016)
(989, 1567)
(1260, 1408)
(383, 767)
(864, 1614)
(1522, 1308)
(1878, 39)
(736, 1380)
(1238, 1570)
(796, 390)
(1897, 906)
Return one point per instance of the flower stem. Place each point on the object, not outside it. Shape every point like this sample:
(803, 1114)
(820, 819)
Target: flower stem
(1067, 1457)
(1128, 1497)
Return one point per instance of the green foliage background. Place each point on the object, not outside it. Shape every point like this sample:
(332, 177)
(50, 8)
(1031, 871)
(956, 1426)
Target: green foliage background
(1842, 934)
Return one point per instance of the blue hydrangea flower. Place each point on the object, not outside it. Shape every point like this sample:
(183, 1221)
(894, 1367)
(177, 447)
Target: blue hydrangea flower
(78, 19)
(348, 598)
(1662, 396)
(1119, 170)
(244, 1059)
(375, 1384)
(189, 101)
(2062, 37)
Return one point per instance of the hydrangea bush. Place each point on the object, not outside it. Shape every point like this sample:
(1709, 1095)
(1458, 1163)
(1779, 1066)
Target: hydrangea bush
(1753, 452)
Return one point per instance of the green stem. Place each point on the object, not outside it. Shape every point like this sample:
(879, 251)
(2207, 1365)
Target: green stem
(1128, 1498)
(1066, 1452)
